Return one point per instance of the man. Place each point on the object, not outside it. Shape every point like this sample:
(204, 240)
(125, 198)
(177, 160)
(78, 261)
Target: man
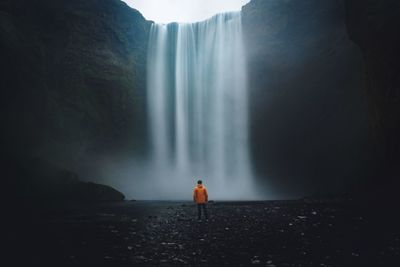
(200, 196)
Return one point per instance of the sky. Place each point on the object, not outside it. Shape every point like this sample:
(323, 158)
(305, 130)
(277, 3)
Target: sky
(165, 11)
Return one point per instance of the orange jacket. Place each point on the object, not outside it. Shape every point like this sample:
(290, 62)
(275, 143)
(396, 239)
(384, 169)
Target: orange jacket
(200, 194)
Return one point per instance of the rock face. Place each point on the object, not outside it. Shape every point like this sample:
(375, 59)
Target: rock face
(73, 80)
(74, 75)
(38, 181)
(309, 120)
(373, 26)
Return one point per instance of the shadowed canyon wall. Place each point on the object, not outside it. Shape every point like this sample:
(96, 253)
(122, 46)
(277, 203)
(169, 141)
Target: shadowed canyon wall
(73, 80)
(74, 71)
(373, 26)
(323, 89)
(309, 119)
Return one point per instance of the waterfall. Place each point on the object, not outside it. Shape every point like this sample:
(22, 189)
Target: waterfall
(197, 107)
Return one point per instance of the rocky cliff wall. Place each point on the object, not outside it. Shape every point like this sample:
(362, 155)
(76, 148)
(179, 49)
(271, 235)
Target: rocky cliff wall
(309, 124)
(73, 85)
(74, 76)
(374, 27)
(72, 89)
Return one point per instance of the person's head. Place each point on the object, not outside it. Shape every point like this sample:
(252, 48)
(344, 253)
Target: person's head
(199, 182)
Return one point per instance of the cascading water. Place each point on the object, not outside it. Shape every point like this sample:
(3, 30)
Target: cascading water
(197, 106)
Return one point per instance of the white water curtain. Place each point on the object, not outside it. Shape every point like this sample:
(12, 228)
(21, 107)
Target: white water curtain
(197, 107)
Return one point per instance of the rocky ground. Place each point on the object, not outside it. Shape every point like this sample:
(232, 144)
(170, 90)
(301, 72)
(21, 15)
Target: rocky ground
(140, 233)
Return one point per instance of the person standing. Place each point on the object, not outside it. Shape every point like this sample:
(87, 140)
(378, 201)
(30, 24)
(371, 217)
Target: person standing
(200, 196)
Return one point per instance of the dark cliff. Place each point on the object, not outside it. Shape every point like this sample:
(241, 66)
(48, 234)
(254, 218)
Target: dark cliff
(74, 83)
(374, 27)
(309, 125)
(73, 73)
(73, 80)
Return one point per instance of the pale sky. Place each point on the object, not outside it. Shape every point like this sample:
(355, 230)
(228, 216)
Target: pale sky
(165, 11)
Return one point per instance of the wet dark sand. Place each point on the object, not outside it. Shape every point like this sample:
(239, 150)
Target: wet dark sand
(146, 233)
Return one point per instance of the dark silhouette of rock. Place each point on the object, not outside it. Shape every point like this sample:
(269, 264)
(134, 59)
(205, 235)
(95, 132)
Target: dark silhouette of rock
(373, 26)
(73, 82)
(38, 181)
(74, 78)
(308, 113)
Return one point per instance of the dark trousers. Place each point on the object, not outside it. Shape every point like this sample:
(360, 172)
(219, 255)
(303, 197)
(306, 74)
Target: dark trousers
(199, 207)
